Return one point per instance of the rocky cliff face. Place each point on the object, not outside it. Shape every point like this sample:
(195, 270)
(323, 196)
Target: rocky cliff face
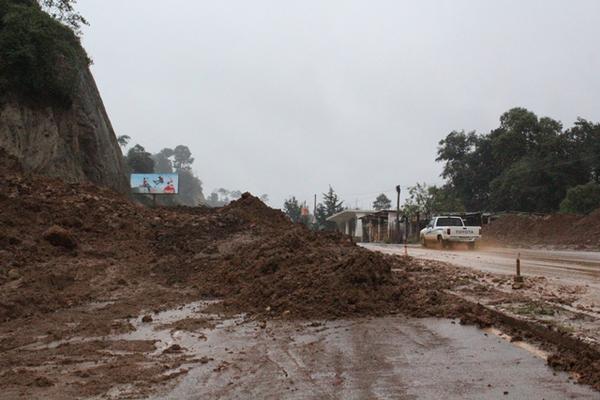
(77, 144)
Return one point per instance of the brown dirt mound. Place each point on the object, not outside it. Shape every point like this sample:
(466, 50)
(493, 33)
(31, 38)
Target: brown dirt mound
(562, 230)
(253, 210)
(248, 254)
(130, 258)
(302, 274)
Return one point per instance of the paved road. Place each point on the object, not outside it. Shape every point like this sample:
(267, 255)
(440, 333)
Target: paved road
(576, 266)
(378, 358)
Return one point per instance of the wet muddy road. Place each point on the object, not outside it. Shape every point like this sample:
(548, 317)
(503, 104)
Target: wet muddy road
(379, 358)
(580, 267)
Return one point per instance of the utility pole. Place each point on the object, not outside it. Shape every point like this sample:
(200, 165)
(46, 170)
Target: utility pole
(315, 209)
(398, 239)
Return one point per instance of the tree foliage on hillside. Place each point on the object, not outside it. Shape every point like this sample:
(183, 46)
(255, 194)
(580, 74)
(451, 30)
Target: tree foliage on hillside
(582, 199)
(64, 11)
(40, 58)
(526, 164)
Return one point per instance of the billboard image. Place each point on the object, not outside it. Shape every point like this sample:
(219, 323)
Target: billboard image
(154, 183)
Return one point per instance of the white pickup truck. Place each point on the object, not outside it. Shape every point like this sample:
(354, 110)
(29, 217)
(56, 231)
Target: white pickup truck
(445, 231)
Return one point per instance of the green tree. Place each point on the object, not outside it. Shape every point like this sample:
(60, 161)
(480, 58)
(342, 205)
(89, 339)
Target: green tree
(190, 189)
(382, 202)
(582, 199)
(64, 11)
(418, 201)
(585, 137)
(139, 160)
(469, 166)
(428, 200)
(526, 164)
(162, 161)
(123, 140)
(182, 158)
(444, 200)
(539, 181)
(179, 160)
(321, 216)
(41, 60)
(292, 209)
(331, 205)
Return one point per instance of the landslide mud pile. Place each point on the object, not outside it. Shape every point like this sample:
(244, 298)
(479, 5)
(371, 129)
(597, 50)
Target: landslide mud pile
(81, 261)
(258, 261)
(63, 245)
(562, 230)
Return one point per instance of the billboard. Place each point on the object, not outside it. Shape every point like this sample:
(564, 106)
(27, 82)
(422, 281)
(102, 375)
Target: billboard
(154, 183)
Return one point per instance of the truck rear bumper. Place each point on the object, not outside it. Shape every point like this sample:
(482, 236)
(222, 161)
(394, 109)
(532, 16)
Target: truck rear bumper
(462, 239)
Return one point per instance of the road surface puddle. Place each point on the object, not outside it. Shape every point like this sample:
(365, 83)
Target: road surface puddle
(536, 351)
(367, 358)
(374, 358)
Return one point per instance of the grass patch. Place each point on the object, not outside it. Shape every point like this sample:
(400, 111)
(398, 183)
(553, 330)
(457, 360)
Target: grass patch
(533, 309)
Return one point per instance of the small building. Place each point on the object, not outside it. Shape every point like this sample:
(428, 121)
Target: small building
(350, 223)
(380, 226)
(369, 225)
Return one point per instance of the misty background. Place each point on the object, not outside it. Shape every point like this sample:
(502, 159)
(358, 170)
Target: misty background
(285, 98)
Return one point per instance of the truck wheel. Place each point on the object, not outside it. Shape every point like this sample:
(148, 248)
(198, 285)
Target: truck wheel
(423, 241)
(471, 245)
(441, 242)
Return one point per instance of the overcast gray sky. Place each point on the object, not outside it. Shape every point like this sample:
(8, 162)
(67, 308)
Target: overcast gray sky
(287, 97)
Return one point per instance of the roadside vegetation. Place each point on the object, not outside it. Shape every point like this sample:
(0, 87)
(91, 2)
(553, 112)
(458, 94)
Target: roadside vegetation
(582, 199)
(528, 164)
(41, 56)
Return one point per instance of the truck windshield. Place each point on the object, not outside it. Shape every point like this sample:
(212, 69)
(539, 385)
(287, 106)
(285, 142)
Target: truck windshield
(449, 222)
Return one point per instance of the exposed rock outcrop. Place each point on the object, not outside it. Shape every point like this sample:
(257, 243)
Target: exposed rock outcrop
(76, 144)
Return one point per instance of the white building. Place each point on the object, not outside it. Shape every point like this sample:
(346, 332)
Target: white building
(350, 223)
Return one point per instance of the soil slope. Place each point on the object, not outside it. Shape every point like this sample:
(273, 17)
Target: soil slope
(77, 144)
(559, 230)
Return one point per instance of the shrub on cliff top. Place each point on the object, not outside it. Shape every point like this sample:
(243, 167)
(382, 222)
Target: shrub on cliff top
(40, 58)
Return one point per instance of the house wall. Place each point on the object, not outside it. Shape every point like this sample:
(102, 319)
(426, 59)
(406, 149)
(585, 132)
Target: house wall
(352, 227)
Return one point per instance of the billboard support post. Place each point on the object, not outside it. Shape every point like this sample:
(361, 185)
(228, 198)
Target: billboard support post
(398, 237)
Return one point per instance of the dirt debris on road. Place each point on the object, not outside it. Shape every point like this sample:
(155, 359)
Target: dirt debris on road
(122, 261)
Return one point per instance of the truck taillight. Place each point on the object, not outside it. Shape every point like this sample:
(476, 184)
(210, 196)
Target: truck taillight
(448, 230)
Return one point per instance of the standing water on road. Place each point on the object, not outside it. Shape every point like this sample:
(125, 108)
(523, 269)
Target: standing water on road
(367, 358)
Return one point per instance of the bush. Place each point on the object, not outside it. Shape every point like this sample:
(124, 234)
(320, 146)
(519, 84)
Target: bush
(40, 58)
(581, 199)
